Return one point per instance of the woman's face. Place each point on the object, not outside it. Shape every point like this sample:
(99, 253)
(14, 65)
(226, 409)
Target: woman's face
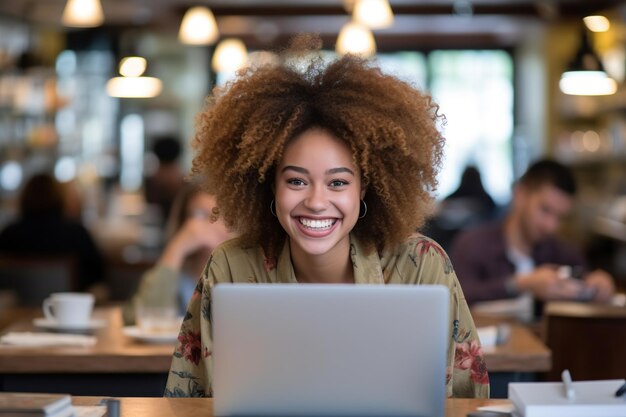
(317, 193)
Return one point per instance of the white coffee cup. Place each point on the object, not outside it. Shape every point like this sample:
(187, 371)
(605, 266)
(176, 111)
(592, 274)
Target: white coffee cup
(69, 308)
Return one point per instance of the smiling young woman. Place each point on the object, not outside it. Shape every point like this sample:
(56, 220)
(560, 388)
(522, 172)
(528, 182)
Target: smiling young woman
(325, 172)
(318, 193)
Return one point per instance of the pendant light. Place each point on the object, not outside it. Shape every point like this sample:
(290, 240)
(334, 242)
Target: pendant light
(585, 75)
(230, 55)
(375, 14)
(597, 23)
(355, 38)
(83, 13)
(198, 27)
(132, 83)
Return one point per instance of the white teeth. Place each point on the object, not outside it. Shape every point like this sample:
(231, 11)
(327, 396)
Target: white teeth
(317, 224)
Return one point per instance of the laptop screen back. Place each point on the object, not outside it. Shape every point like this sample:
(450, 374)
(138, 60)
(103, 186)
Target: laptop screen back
(321, 350)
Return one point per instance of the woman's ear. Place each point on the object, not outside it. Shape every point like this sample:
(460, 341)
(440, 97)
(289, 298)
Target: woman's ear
(363, 190)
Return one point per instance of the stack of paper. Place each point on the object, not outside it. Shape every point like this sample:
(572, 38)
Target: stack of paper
(18, 404)
(549, 399)
(32, 339)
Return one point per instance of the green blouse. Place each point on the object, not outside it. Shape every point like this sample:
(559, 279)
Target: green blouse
(419, 261)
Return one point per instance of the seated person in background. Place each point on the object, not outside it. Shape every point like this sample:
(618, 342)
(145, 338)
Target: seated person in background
(466, 207)
(44, 230)
(162, 186)
(522, 253)
(471, 190)
(326, 170)
(194, 230)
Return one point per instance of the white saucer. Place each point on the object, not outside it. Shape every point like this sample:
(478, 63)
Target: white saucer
(45, 323)
(150, 337)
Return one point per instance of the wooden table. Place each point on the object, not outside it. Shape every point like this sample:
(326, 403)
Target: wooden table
(519, 359)
(203, 407)
(116, 366)
(120, 366)
(522, 352)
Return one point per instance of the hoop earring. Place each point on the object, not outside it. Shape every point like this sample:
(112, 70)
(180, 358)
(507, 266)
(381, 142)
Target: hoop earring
(362, 209)
(273, 208)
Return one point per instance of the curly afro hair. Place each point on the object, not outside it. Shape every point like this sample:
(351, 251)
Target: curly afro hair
(391, 128)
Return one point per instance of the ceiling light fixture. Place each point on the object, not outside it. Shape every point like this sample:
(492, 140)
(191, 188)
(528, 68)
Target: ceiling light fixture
(375, 14)
(198, 27)
(132, 83)
(83, 13)
(585, 75)
(597, 23)
(230, 55)
(355, 38)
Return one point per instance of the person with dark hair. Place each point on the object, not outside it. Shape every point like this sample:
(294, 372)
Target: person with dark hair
(466, 207)
(522, 254)
(161, 187)
(325, 170)
(43, 229)
(194, 229)
(471, 188)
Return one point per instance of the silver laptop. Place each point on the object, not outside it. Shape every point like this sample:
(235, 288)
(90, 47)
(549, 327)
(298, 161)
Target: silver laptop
(329, 350)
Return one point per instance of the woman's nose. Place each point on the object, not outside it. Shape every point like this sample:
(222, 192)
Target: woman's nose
(316, 199)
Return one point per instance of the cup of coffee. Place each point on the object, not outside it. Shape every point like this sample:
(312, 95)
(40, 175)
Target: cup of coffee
(69, 308)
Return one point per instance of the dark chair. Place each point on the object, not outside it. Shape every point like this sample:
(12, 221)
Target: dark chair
(588, 339)
(123, 278)
(34, 278)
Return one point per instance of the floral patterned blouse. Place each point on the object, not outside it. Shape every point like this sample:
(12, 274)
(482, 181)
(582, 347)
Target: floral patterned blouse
(419, 261)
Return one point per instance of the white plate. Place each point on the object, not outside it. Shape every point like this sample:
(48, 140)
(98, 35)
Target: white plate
(47, 324)
(150, 337)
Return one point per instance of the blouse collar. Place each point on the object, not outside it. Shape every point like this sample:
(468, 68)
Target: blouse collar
(366, 267)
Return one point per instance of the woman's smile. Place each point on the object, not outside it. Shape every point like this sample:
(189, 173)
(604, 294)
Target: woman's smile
(317, 227)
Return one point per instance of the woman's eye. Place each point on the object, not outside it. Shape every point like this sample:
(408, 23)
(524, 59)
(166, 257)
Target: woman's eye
(338, 183)
(295, 181)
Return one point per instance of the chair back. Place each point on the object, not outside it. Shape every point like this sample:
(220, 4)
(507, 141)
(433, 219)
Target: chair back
(588, 339)
(33, 278)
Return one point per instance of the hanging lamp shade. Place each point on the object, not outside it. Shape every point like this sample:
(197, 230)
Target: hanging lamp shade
(198, 27)
(230, 55)
(355, 38)
(585, 75)
(375, 14)
(83, 13)
(597, 23)
(132, 83)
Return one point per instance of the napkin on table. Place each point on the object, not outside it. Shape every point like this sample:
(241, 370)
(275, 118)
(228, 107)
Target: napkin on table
(31, 339)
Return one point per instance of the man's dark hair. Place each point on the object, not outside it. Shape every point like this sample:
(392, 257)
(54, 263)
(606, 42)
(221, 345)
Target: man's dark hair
(166, 148)
(550, 172)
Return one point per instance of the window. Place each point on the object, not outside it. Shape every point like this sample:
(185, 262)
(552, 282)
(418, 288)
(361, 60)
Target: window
(474, 89)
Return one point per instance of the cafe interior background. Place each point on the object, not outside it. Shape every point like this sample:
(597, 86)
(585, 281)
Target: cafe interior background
(68, 105)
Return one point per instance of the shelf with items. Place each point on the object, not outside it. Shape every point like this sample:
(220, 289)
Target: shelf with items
(592, 143)
(574, 108)
(29, 104)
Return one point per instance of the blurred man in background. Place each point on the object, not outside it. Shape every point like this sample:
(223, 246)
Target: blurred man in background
(522, 254)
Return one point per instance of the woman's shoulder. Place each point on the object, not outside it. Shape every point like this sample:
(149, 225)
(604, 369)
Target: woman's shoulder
(239, 260)
(419, 244)
(420, 259)
(237, 248)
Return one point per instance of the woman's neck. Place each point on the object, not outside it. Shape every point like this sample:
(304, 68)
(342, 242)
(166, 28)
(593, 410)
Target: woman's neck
(333, 267)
